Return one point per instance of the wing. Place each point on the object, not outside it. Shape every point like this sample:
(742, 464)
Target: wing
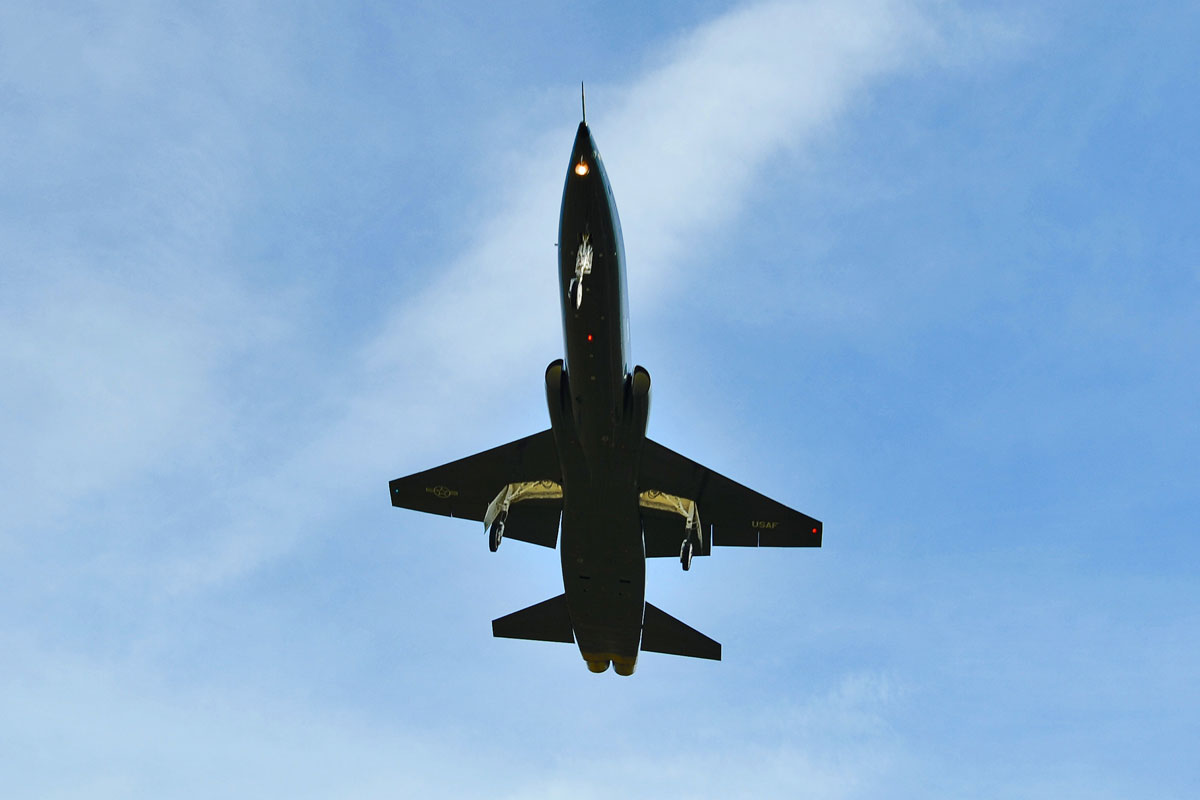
(739, 516)
(464, 488)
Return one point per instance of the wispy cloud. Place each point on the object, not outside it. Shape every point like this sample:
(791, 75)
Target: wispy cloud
(758, 85)
(138, 309)
(684, 143)
(90, 730)
(202, 590)
(135, 302)
(124, 179)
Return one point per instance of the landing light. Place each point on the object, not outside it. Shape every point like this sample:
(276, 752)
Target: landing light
(581, 168)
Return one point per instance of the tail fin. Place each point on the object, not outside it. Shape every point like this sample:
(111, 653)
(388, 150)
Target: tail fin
(547, 621)
(662, 633)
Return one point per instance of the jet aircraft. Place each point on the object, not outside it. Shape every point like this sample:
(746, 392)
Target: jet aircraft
(617, 496)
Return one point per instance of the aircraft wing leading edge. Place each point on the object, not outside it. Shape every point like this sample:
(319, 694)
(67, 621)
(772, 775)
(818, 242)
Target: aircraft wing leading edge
(739, 516)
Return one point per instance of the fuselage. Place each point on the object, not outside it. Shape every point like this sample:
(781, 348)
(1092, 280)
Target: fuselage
(593, 485)
(599, 423)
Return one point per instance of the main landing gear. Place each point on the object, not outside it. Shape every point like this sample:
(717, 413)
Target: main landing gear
(496, 532)
(685, 555)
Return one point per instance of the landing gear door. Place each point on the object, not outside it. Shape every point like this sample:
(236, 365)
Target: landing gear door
(530, 512)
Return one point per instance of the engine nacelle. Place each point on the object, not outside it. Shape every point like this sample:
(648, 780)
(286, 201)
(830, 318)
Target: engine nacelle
(558, 393)
(637, 400)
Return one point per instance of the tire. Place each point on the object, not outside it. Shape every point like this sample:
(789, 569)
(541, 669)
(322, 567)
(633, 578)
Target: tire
(495, 534)
(685, 556)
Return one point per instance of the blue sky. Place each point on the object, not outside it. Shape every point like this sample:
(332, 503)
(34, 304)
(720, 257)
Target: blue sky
(928, 271)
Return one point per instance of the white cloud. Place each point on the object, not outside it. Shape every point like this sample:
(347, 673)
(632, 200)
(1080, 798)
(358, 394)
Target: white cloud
(121, 316)
(113, 376)
(98, 730)
(101, 383)
(683, 144)
(127, 375)
(756, 85)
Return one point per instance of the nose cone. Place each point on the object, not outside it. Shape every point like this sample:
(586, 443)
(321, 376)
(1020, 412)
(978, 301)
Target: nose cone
(584, 145)
(583, 154)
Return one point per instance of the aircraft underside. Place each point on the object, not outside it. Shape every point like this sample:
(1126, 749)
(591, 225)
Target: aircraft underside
(615, 496)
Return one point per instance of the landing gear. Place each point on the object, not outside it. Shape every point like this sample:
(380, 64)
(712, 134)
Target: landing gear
(496, 533)
(583, 266)
(685, 555)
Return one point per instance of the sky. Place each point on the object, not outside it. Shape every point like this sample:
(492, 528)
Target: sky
(926, 270)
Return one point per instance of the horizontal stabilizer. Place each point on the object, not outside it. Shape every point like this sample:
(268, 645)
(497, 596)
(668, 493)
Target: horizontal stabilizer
(662, 633)
(548, 621)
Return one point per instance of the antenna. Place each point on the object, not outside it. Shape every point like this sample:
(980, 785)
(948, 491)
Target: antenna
(583, 101)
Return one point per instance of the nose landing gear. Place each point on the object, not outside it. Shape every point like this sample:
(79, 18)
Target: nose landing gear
(583, 266)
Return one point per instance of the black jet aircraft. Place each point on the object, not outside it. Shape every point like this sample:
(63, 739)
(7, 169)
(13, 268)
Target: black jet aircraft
(621, 497)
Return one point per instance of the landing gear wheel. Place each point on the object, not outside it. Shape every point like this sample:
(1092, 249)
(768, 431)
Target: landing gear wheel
(685, 556)
(495, 534)
(572, 293)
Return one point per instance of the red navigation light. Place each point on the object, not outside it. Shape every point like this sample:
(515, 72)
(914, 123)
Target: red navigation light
(589, 337)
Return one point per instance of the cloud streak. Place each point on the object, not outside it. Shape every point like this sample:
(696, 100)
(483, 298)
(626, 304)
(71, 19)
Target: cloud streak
(137, 378)
(686, 142)
(194, 742)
